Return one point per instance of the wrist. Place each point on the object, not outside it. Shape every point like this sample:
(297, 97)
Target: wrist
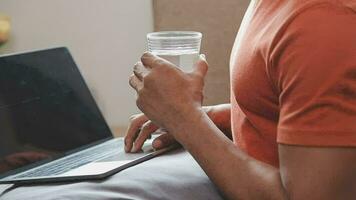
(186, 122)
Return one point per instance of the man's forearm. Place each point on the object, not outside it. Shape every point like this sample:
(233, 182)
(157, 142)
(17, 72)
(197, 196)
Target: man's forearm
(236, 174)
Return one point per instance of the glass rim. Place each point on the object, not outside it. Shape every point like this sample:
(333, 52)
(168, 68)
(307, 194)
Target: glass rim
(175, 35)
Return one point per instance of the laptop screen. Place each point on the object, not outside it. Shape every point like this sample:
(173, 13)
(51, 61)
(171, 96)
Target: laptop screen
(46, 108)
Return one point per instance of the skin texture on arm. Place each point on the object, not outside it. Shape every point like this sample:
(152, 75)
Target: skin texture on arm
(318, 173)
(305, 173)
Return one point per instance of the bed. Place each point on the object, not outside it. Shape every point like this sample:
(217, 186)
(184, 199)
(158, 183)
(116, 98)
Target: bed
(175, 175)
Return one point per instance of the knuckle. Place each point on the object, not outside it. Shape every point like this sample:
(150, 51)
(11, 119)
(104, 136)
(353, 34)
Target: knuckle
(147, 126)
(130, 81)
(131, 77)
(158, 62)
(148, 78)
(140, 93)
(138, 101)
(133, 118)
(137, 64)
(135, 67)
(136, 118)
(145, 54)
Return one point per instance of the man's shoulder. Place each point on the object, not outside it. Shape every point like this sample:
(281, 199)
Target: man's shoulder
(309, 11)
(318, 19)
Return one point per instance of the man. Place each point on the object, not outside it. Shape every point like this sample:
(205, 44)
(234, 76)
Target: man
(293, 105)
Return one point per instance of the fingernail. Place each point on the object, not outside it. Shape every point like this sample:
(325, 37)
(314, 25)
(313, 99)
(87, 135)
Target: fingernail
(147, 53)
(157, 143)
(202, 56)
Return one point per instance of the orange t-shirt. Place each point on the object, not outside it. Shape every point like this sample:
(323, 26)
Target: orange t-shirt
(293, 76)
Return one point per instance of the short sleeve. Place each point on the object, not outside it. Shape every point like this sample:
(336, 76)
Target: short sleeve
(314, 71)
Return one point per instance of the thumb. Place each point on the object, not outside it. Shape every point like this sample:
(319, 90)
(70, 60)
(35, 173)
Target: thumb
(164, 140)
(201, 66)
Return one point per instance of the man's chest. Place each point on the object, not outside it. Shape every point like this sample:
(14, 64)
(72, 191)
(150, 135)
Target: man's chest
(252, 83)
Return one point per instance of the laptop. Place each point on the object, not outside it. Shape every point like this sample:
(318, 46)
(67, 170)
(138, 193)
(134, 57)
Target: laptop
(51, 129)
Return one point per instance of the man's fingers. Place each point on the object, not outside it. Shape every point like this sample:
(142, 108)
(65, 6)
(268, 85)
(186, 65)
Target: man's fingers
(163, 140)
(146, 130)
(135, 83)
(201, 66)
(133, 129)
(139, 70)
(151, 61)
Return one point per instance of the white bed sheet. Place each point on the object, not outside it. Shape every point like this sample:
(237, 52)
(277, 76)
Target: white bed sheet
(175, 175)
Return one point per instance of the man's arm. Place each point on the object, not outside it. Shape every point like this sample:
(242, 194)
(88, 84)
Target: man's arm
(305, 173)
(236, 174)
(141, 128)
(318, 173)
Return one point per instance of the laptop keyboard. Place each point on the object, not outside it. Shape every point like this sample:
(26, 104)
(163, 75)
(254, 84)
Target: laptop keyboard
(76, 160)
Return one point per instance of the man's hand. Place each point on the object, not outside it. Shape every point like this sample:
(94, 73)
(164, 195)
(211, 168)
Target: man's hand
(141, 128)
(167, 96)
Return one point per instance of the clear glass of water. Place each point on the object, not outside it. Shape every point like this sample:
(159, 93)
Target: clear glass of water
(179, 47)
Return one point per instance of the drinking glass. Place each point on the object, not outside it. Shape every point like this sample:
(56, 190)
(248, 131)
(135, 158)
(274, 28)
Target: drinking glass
(179, 47)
